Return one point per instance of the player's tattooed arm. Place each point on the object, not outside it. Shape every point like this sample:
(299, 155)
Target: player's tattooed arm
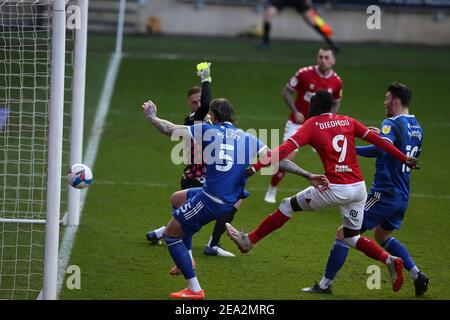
(164, 126)
(289, 166)
(168, 128)
(317, 180)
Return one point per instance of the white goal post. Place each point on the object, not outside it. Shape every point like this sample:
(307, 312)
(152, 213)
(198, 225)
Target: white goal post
(42, 87)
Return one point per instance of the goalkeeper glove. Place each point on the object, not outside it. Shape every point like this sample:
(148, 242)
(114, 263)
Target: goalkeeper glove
(204, 71)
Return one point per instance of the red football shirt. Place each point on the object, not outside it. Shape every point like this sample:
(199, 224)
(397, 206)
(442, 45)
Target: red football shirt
(333, 136)
(308, 81)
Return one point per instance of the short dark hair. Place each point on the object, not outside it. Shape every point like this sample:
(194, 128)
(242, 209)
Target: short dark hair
(193, 90)
(328, 49)
(321, 102)
(402, 92)
(223, 110)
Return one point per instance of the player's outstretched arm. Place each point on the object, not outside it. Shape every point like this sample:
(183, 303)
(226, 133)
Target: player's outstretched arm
(289, 166)
(164, 126)
(204, 72)
(317, 180)
(369, 151)
(376, 140)
(273, 157)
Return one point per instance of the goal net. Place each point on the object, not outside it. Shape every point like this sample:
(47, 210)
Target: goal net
(25, 141)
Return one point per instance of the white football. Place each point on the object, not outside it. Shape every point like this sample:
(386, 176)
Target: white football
(80, 176)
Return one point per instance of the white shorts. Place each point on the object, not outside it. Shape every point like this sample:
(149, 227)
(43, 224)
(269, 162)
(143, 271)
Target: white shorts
(350, 198)
(290, 129)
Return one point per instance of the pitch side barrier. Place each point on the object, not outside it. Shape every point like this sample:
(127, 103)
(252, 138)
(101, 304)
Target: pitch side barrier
(397, 5)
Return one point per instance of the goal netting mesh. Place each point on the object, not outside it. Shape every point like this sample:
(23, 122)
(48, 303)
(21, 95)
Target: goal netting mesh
(25, 61)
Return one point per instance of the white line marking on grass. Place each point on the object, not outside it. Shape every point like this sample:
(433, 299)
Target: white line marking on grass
(89, 159)
(137, 184)
(293, 190)
(195, 56)
(256, 57)
(433, 196)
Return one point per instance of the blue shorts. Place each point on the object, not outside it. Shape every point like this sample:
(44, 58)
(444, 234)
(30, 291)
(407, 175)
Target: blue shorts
(198, 210)
(385, 210)
(191, 192)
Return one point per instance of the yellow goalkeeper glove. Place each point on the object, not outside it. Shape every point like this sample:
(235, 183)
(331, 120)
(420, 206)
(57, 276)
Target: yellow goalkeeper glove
(204, 71)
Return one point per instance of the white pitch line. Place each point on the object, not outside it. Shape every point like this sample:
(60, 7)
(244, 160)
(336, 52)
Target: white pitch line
(89, 160)
(233, 58)
(293, 190)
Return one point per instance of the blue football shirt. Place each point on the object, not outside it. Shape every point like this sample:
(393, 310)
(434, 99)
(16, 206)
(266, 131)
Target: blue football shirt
(391, 175)
(227, 151)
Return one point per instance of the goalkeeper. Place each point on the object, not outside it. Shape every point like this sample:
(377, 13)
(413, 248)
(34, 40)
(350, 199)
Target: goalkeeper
(194, 173)
(309, 14)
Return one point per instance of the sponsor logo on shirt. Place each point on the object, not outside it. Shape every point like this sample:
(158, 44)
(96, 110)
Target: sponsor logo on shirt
(415, 134)
(342, 168)
(411, 126)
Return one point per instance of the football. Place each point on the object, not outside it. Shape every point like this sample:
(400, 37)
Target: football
(80, 176)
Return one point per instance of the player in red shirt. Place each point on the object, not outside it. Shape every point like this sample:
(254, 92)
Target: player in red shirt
(304, 84)
(333, 137)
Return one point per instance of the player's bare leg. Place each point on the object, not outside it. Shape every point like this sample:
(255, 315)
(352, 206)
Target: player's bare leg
(177, 199)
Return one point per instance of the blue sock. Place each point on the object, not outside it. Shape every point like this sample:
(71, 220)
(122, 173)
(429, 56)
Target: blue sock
(180, 255)
(396, 248)
(187, 240)
(336, 259)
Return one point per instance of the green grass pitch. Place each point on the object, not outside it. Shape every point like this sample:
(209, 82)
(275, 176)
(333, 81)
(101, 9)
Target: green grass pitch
(134, 176)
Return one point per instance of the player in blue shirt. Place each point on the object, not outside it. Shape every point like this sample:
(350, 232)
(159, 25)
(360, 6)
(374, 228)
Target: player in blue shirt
(227, 151)
(194, 172)
(389, 195)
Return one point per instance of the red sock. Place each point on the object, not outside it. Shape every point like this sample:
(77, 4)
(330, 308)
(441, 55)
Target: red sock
(371, 249)
(277, 177)
(269, 224)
